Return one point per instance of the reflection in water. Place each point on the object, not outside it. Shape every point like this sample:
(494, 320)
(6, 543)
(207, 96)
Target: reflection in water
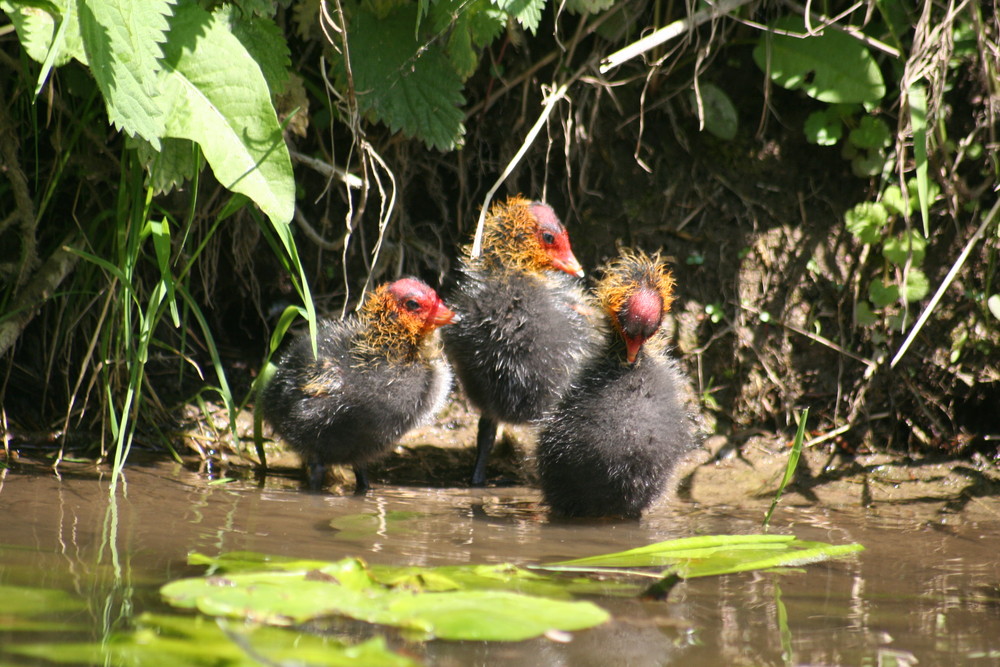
(926, 589)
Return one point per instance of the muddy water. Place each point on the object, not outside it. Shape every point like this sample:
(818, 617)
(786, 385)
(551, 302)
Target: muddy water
(926, 590)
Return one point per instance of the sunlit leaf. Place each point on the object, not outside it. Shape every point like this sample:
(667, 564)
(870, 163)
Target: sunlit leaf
(866, 220)
(898, 249)
(915, 285)
(824, 128)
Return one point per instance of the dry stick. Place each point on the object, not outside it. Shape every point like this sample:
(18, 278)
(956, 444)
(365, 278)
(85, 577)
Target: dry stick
(329, 170)
(841, 430)
(548, 103)
(668, 32)
(956, 267)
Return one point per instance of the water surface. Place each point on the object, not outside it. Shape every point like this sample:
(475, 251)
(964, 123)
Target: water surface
(925, 591)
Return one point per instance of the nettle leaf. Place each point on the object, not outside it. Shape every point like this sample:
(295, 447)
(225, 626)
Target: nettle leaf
(220, 100)
(527, 12)
(405, 82)
(866, 220)
(830, 67)
(122, 39)
(882, 295)
(175, 163)
(915, 285)
(37, 24)
(471, 26)
(264, 41)
(897, 249)
(824, 128)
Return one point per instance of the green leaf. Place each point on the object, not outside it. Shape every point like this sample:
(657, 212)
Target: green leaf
(405, 82)
(122, 39)
(893, 200)
(263, 40)
(527, 12)
(824, 127)
(863, 314)
(871, 133)
(830, 67)
(915, 285)
(37, 23)
(897, 249)
(793, 462)
(219, 100)
(721, 118)
(344, 588)
(23, 600)
(177, 161)
(866, 220)
(882, 295)
(917, 98)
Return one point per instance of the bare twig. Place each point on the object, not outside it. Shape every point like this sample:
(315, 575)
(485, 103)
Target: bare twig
(955, 268)
(329, 170)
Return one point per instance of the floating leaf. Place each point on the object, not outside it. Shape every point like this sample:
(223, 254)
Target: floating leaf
(354, 526)
(346, 588)
(161, 639)
(720, 114)
(866, 220)
(897, 249)
(823, 128)
(30, 601)
(830, 66)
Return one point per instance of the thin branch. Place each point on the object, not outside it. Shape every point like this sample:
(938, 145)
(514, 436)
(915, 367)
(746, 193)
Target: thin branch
(669, 32)
(955, 268)
(329, 170)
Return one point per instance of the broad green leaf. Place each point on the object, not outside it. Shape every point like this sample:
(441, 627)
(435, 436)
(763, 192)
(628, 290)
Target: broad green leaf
(405, 82)
(31, 601)
(721, 118)
(915, 285)
(220, 100)
(764, 561)
(830, 67)
(36, 24)
(670, 551)
(866, 220)
(882, 295)
(122, 39)
(161, 639)
(287, 597)
(871, 133)
(824, 128)
(527, 12)
(897, 249)
(263, 40)
(354, 526)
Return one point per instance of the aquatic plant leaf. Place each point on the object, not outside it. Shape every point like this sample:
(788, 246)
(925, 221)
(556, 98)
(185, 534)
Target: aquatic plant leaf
(161, 639)
(354, 526)
(26, 600)
(668, 552)
(830, 66)
(345, 588)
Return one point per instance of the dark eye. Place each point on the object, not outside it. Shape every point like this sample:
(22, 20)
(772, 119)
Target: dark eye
(548, 238)
(412, 304)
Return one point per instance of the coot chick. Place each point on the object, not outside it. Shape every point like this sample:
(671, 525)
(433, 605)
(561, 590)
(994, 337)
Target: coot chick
(609, 446)
(378, 374)
(522, 330)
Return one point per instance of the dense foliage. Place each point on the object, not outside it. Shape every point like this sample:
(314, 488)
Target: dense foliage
(129, 270)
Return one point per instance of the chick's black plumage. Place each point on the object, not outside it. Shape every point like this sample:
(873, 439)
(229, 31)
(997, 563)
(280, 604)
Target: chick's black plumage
(609, 446)
(376, 375)
(523, 323)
